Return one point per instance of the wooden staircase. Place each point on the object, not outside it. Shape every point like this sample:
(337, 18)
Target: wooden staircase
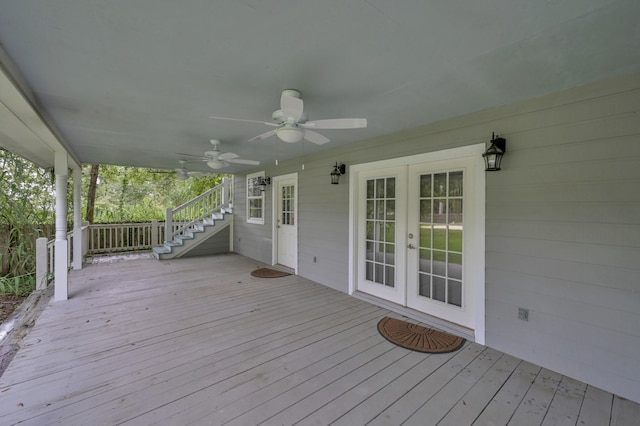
(195, 223)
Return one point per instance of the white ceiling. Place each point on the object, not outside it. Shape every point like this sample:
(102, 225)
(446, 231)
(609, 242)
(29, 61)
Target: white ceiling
(134, 82)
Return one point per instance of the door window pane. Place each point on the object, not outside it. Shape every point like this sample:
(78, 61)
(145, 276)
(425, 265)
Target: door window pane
(390, 210)
(425, 186)
(371, 209)
(424, 285)
(455, 239)
(424, 261)
(439, 263)
(425, 211)
(455, 184)
(370, 189)
(440, 185)
(380, 188)
(454, 293)
(391, 188)
(425, 236)
(440, 237)
(439, 292)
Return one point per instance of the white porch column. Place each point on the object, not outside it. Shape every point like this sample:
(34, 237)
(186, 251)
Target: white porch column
(61, 243)
(77, 218)
(42, 267)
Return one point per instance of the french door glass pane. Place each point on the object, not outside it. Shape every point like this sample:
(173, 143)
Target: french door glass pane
(441, 230)
(424, 286)
(454, 292)
(380, 231)
(439, 292)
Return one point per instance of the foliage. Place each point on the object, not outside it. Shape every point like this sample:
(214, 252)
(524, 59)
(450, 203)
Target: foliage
(26, 202)
(27, 207)
(129, 194)
(21, 285)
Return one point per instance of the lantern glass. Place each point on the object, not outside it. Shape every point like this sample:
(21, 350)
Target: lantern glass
(493, 155)
(335, 176)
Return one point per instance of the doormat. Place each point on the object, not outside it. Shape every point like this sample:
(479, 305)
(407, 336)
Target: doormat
(417, 338)
(268, 273)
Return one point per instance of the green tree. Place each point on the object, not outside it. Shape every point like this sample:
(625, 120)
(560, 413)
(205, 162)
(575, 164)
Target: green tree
(129, 194)
(27, 207)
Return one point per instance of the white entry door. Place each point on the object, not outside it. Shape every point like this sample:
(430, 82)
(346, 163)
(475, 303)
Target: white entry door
(415, 237)
(287, 221)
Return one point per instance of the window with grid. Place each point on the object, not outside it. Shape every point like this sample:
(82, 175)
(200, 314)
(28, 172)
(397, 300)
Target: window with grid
(288, 205)
(255, 199)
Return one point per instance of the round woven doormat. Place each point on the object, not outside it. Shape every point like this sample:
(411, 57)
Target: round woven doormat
(268, 273)
(417, 338)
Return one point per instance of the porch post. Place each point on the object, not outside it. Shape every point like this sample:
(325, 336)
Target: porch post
(77, 218)
(154, 233)
(42, 267)
(61, 244)
(225, 194)
(168, 224)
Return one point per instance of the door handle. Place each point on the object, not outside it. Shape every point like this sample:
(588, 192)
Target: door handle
(411, 246)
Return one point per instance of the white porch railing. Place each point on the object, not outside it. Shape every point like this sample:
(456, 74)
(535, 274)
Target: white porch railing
(181, 219)
(123, 237)
(45, 255)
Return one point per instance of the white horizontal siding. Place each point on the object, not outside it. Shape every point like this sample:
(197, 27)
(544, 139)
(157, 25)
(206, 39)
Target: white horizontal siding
(562, 225)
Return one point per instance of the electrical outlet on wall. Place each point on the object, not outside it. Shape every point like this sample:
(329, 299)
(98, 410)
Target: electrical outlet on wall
(523, 314)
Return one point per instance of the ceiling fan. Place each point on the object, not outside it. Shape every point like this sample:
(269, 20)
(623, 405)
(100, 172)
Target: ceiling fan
(182, 173)
(292, 125)
(217, 160)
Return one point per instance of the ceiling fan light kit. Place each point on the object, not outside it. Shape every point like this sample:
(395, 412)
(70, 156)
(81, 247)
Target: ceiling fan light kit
(215, 164)
(290, 134)
(292, 125)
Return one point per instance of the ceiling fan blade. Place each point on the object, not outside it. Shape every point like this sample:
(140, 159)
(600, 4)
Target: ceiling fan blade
(188, 155)
(244, 120)
(315, 137)
(336, 123)
(291, 107)
(242, 161)
(227, 156)
(263, 136)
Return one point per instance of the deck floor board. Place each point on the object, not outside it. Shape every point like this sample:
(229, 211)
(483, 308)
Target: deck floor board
(201, 341)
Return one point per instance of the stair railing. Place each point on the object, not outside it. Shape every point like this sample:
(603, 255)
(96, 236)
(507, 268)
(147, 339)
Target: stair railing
(182, 219)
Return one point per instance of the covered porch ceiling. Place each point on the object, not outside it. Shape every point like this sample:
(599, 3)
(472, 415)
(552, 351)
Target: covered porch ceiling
(134, 83)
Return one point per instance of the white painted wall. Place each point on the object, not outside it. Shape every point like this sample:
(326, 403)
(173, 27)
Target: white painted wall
(562, 225)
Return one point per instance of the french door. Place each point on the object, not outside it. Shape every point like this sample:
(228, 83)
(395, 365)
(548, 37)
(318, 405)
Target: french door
(416, 238)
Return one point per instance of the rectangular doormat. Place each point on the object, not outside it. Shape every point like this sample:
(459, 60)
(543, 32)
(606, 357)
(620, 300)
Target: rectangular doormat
(418, 338)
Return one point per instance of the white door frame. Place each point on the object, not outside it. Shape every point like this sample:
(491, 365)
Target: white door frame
(274, 215)
(478, 180)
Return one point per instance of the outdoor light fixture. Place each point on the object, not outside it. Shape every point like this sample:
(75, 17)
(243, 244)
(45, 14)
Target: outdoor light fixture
(263, 182)
(493, 155)
(338, 170)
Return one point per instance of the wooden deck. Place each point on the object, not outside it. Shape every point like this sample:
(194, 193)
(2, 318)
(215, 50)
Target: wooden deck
(200, 341)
